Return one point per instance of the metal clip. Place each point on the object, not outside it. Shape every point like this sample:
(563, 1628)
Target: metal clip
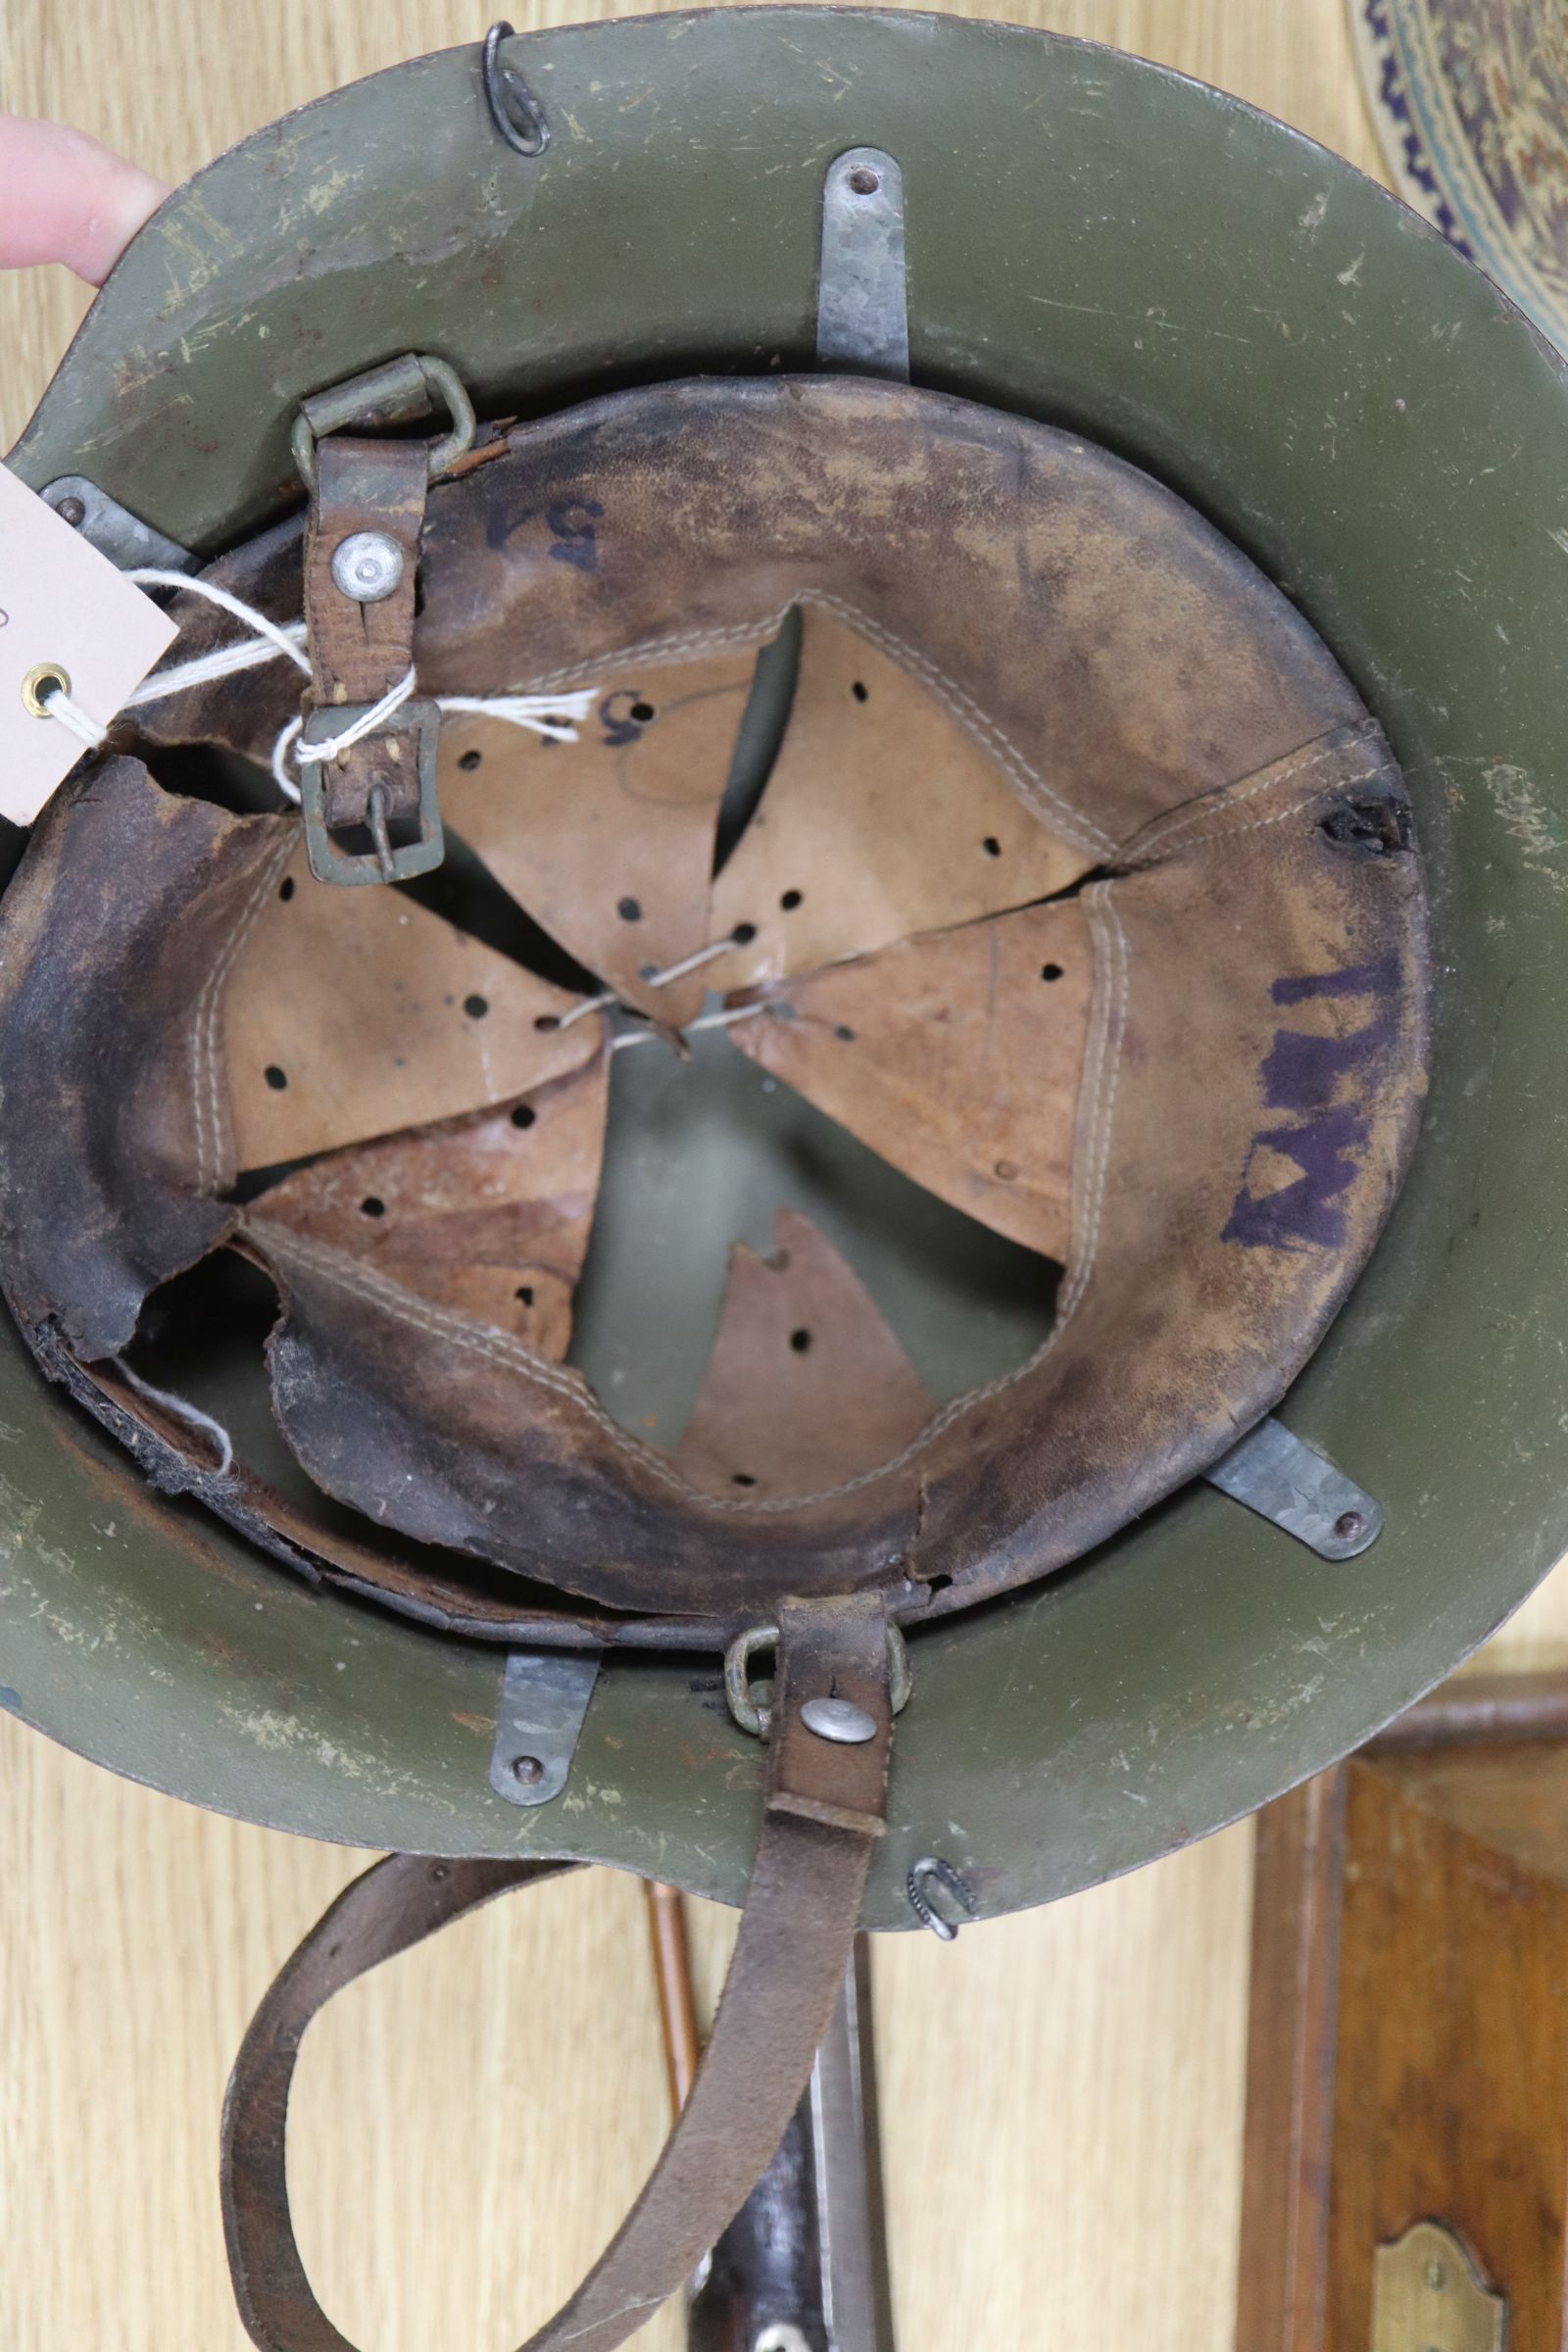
(386, 860)
(400, 392)
(113, 529)
(1282, 1478)
(544, 1698)
(514, 109)
(932, 1871)
(862, 304)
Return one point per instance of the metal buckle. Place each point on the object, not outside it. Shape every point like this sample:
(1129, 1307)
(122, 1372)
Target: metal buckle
(397, 393)
(755, 1714)
(387, 861)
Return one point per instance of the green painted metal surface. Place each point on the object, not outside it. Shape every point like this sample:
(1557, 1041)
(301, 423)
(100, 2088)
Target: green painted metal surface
(1101, 244)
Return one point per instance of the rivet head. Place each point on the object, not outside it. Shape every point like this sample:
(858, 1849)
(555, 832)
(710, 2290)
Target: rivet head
(72, 511)
(839, 1720)
(528, 1769)
(368, 566)
(1348, 1525)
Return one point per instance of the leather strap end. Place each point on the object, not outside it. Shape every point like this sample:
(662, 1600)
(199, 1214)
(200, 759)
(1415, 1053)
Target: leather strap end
(836, 1650)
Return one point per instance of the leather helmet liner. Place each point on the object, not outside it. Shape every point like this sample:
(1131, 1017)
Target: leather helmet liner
(1128, 962)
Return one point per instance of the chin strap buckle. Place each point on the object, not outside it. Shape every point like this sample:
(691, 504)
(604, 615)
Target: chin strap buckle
(378, 819)
(367, 751)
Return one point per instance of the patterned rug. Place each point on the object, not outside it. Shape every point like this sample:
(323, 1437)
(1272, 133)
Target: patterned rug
(1470, 98)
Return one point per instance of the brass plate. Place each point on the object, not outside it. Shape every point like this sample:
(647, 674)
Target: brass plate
(1427, 2296)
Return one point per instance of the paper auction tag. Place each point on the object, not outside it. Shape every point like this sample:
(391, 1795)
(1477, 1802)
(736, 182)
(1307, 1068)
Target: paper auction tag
(64, 608)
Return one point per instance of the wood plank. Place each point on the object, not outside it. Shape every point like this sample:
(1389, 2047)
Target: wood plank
(1297, 1887)
(1451, 2089)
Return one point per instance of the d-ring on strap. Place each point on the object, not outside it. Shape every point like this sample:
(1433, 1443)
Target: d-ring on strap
(826, 1807)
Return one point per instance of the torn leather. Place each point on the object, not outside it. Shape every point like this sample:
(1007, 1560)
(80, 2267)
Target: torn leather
(119, 929)
(488, 1215)
(1206, 1113)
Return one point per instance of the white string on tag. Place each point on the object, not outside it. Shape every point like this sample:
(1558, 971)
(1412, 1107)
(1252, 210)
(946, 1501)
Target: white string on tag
(543, 713)
(71, 716)
(374, 715)
(279, 638)
(551, 715)
(245, 653)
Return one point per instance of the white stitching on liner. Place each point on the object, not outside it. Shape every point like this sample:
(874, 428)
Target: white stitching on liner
(1112, 993)
(1319, 792)
(960, 707)
(1102, 907)
(1177, 820)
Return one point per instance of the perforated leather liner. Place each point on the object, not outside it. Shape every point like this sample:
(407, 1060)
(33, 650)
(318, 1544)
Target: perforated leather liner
(1230, 1093)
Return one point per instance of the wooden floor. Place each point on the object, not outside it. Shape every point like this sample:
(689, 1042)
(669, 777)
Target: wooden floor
(1064, 2164)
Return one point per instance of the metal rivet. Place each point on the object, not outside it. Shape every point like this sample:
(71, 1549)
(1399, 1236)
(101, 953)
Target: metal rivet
(527, 1770)
(840, 1720)
(368, 566)
(1348, 1525)
(72, 511)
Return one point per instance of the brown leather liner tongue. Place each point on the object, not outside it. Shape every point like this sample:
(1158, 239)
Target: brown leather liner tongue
(882, 818)
(118, 930)
(957, 1057)
(608, 841)
(353, 1013)
(461, 1435)
(808, 1383)
(489, 1214)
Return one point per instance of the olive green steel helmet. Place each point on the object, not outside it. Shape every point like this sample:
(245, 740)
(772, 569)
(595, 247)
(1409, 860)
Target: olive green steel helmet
(1095, 243)
(1178, 524)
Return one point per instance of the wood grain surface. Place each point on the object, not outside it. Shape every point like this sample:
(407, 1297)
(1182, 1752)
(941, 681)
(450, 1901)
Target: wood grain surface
(1452, 2034)
(1062, 2091)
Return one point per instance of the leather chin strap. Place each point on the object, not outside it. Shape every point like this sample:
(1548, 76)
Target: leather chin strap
(826, 1806)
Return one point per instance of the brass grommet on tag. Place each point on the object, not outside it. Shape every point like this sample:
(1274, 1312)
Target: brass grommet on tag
(43, 676)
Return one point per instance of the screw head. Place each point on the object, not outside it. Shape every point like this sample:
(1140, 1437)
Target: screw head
(72, 510)
(839, 1720)
(864, 181)
(528, 1770)
(1348, 1525)
(368, 566)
